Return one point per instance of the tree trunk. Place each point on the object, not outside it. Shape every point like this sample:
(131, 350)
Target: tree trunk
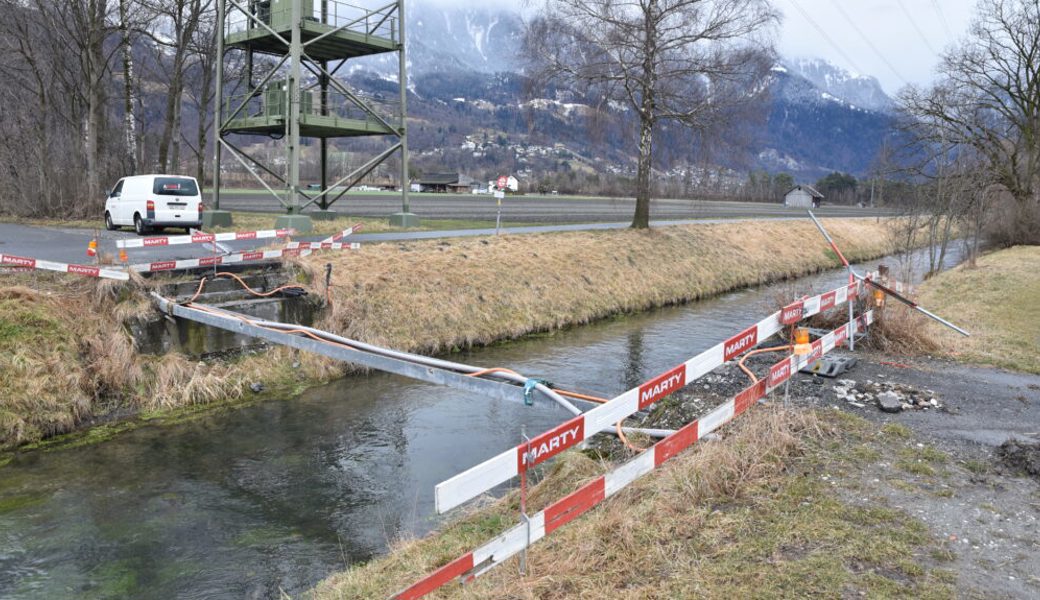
(129, 121)
(641, 219)
(175, 141)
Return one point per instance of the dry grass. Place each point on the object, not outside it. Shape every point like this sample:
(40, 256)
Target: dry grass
(439, 295)
(65, 358)
(998, 302)
(901, 330)
(746, 517)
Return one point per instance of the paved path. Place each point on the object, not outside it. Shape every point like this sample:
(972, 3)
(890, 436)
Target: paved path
(69, 244)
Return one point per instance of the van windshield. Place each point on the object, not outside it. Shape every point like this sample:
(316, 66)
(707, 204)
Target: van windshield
(175, 186)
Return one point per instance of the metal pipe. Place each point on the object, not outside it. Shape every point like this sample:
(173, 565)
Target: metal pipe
(848, 267)
(889, 291)
(853, 276)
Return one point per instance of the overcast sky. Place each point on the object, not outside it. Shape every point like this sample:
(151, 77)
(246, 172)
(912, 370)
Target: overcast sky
(904, 37)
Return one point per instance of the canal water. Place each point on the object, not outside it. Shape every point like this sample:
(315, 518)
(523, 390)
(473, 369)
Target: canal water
(275, 496)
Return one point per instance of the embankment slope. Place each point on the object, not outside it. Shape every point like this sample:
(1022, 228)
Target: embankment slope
(66, 361)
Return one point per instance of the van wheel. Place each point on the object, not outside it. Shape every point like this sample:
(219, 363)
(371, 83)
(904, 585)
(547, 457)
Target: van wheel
(109, 225)
(139, 225)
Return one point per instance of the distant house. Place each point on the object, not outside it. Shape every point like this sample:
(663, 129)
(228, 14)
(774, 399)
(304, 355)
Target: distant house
(803, 196)
(446, 182)
(512, 185)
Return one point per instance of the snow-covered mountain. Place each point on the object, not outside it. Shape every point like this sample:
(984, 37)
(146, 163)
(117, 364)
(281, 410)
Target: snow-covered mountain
(477, 39)
(466, 68)
(861, 91)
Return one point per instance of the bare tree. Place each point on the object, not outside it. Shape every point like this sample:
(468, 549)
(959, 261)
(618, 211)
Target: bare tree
(180, 19)
(692, 62)
(988, 97)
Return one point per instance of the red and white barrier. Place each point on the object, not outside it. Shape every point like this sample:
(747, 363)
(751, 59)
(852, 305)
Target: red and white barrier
(589, 495)
(484, 476)
(25, 262)
(203, 238)
(339, 236)
(210, 261)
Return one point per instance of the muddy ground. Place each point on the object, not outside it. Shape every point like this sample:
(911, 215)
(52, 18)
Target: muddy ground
(967, 468)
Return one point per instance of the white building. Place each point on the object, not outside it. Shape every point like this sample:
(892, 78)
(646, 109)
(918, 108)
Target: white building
(803, 196)
(512, 185)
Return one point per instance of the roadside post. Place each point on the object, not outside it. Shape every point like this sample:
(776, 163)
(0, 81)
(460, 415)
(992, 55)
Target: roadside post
(500, 193)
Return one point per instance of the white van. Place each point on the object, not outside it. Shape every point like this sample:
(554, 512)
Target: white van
(154, 201)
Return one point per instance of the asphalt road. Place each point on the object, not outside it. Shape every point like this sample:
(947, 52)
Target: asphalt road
(566, 214)
(541, 209)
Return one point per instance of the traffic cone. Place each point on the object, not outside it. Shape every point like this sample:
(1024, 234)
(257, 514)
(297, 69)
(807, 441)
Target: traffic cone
(92, 248)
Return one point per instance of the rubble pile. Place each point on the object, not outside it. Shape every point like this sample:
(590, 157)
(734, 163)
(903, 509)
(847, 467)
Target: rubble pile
(889, 396)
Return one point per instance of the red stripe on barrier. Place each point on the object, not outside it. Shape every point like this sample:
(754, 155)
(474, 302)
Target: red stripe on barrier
(792, 313)
(252, 255)
(199, 238)
(841, 335)
(18, 261)
(661, 386)
(745, 399)
(245, 235)
(817, 350)
(165, 265)
(738, 344)
(574, 504)
(827, 300)
(438, 578)
(84, 270)
(550, 443)
(780, 372)
(209, 261)
(149, 242)
(853, 290)
(675, 443)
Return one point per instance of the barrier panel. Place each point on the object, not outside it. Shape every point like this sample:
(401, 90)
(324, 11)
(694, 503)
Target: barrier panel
(202, 238)
(25, 262)
(290, 249)
(568, 508)
(511, 463)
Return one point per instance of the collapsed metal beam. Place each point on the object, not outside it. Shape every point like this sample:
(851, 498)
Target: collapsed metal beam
(883, 288)
(429, 372)
(476, 385)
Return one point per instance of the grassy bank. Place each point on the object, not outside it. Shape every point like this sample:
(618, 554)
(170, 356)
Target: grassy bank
(436, 296)
(65, 362)
(998, 301)
(756, 515)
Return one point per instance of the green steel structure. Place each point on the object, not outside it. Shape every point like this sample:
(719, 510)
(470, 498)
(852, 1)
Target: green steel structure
(288, 92)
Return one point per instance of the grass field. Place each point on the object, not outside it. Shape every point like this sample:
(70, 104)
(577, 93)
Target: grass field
(998, 302)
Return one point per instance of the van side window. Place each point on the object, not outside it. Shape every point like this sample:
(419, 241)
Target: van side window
(118, 189)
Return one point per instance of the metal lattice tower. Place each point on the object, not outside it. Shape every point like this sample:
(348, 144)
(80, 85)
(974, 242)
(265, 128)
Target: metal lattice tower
(296, 96)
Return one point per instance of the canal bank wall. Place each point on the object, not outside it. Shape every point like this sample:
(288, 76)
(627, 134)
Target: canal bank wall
(68, 364)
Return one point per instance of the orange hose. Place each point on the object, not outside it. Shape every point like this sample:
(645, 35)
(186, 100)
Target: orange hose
(747, 371)
(202, 284)
(251, 290)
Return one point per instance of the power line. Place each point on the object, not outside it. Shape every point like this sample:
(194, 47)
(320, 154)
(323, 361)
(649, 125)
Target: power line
(869, 43)
(823, 34)
(942, 17)
(913, 23)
